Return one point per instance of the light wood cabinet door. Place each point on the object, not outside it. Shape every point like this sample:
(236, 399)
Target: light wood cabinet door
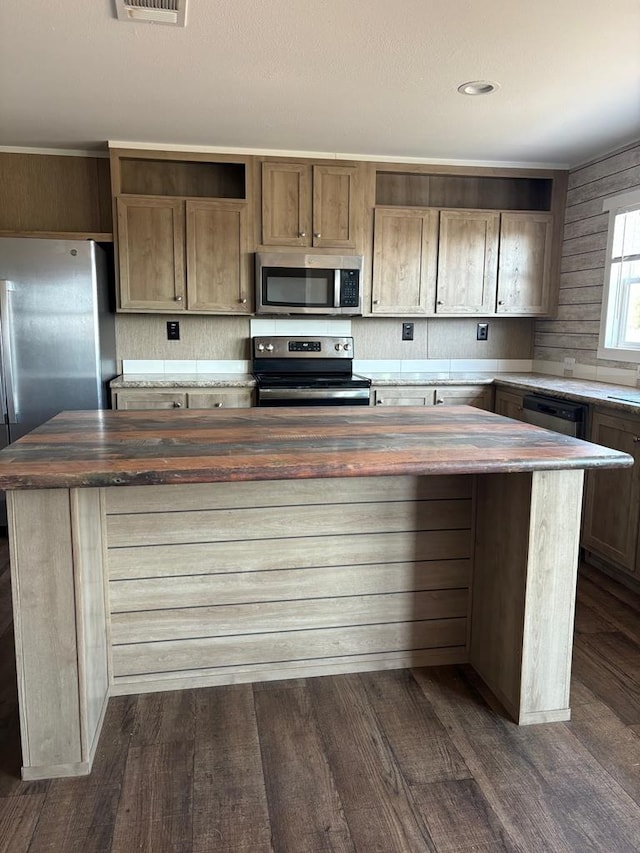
(398, 395)
(217, 257)
(404, 261)
(509, 404)
(310, 205)
(223, 398)
(286, 204)
(335, 208)
(151, 253)
(612, 500)
(524, 264)
(149, 399)
(480, 396)
(467, 262)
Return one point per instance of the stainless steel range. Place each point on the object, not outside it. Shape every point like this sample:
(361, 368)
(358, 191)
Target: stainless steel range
(307, 371)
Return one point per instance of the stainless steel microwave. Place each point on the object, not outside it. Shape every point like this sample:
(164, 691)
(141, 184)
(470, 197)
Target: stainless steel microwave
(293, 283)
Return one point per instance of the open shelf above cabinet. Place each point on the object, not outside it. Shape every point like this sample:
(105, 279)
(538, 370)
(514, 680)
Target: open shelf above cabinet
(410, 189)
(184, 178)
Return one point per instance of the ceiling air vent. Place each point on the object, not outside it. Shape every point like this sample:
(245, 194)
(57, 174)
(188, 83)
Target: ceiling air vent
(153, 11)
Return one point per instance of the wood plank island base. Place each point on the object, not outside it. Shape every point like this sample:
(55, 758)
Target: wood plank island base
(162, 550)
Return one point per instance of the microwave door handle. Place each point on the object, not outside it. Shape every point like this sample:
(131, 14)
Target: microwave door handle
(336, 288)
(6, 364)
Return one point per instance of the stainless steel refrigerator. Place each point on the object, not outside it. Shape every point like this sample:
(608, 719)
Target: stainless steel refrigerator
(57, 332)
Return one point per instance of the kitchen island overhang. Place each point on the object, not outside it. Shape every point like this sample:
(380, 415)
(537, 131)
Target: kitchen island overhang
(258, 544)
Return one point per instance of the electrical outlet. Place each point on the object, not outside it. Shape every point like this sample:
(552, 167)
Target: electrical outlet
(568, 365)
(407, 331)
(482, 333)
(173, 330)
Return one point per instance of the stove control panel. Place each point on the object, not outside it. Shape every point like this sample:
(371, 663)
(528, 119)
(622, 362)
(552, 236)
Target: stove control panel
(281, 346)
(305, 346)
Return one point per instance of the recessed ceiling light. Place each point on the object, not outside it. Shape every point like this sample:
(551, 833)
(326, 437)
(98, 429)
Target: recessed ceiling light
(478, 87)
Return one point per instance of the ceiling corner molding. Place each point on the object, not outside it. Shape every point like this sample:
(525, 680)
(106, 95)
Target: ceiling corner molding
(332, 155)
(58, 152)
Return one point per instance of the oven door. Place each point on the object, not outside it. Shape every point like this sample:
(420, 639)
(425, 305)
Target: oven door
(313, 396)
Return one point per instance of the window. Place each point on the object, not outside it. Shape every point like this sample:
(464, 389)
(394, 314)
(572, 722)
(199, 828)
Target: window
(620, 325)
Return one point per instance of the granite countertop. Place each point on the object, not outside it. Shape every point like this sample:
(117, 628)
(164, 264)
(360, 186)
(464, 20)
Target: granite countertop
(620, 397)
(119, 448)
(183, 380)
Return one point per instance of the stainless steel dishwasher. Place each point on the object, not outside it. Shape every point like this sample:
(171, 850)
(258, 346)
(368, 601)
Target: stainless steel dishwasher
(553, 413)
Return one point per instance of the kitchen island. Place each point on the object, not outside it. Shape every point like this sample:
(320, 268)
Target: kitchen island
(162, 550)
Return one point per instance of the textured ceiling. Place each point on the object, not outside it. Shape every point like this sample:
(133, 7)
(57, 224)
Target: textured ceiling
(368, 77)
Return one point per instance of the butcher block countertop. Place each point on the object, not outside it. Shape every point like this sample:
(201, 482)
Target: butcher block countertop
(113, 448)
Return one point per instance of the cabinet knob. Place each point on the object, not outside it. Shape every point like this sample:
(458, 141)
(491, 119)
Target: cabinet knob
(219, 405)
(177, 405)
(242, 301)
(376, 302)
(178, 298)
(439, 402)
(317, 234)
(302, 234)
(379, 401)
(440, 302)
(500, 302)
(636, 439)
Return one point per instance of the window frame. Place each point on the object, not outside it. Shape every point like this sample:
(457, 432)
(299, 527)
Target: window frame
(611, 308)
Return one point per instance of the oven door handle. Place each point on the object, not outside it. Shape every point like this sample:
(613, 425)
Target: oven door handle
(313, 394)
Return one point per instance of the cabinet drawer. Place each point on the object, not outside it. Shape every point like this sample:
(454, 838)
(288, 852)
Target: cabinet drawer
(404, 396)
(480, 396)
(149, 400)
(231, 398)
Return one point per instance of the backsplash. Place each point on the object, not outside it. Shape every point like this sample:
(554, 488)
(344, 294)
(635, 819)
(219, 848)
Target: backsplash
(221, 339)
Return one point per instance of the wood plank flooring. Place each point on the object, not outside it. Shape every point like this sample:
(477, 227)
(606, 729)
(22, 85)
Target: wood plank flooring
(406, 761)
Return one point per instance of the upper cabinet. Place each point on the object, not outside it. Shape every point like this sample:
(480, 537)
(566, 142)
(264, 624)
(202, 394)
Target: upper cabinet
(497, 244)
(405, 245)
(524, 264)
(310, 205)
(435, 241)
(467, 262)
(184, 233)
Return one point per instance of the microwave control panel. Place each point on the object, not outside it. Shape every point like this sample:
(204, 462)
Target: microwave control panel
(349, 288)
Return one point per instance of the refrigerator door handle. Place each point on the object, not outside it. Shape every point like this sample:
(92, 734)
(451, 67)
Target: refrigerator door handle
(6, 363)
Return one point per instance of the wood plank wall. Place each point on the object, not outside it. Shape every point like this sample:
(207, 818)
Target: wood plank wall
(54, 193)
(251, 581)
(574, 332)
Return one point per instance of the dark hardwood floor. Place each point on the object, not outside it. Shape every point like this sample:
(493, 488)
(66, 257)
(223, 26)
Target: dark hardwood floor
(396, 761)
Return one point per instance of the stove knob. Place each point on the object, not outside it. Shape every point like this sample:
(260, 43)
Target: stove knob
(338, 347)
(270, 347)
(347, 346)
(260, 347)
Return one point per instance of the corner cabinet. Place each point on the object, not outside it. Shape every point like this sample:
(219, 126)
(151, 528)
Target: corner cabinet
(229, 397)
(524, 264)
(509, 403)
(179, 253)
(612, 498)
(310, 205)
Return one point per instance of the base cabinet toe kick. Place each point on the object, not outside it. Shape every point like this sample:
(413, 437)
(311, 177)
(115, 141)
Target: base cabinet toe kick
(145, 588)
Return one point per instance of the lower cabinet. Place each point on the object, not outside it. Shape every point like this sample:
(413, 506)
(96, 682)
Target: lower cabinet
(509, 404)
(182, 398)
(612, 498)
(480, 396)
